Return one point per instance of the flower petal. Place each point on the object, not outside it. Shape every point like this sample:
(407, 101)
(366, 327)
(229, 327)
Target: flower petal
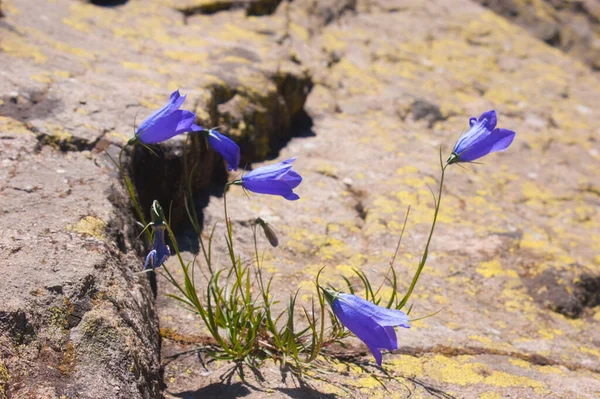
(160, 250)
(372, 324)
(489, 119)
(162, 257)
(498, 140)
(376, 353)
(361, 324)
(175, 101)
(273, 187)
(270, 171)
(177, 122)
(381, 315)
(195, 128)
(277, 179)
(228, 149)
(150, 259)
(479, 131)
(392, 336)
(292, 178)
(503, 137)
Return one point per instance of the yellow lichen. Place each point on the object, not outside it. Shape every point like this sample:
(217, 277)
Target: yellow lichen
(490, 395)
(520, 363)
(9, 125)
(493, 268)
(17, 47)
(91, 226)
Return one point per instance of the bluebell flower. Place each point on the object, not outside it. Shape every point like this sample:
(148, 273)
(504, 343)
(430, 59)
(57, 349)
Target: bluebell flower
(160, 250)
(482, 138)
(372, 324)
(165, 123)
(222, 144)
(278, 179)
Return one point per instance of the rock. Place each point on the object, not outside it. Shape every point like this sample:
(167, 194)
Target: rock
(574, 27)
(363, 94)
(257, 107)
(252, 7)
(65, 267)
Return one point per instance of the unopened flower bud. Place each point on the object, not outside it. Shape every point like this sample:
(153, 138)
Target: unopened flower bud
(269, 232)
(156, 213)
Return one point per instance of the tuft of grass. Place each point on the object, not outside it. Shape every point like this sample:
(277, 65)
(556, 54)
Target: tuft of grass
(238, 307)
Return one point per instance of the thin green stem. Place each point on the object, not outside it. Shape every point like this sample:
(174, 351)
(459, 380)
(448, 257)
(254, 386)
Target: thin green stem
(235, 263)
(391, 268)
(426, 251)
(227, 224)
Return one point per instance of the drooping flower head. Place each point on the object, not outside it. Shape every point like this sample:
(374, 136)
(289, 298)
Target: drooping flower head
(482, 138)
(372, 324)
(222, 144)
(228, 149)
(269, 232)
(277, 179)
(160, 251)
(165, 123)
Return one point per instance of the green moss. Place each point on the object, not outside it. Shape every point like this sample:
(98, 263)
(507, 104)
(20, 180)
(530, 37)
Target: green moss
(59, 315)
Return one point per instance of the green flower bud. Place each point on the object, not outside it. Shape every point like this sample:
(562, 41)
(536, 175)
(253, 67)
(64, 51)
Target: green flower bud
(269, 232)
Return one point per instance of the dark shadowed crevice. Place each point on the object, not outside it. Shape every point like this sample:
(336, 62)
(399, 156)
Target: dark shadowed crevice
(108, 3)
(18, 326)
(265, 125)
(357, 198)
(29, 104)
(564, 291)
(301, 127)
(329, 12)
(210, 8)
(163, 174)
(64, 144)
(424, 110)
(262, 123)
(217, 390)
(252, 7)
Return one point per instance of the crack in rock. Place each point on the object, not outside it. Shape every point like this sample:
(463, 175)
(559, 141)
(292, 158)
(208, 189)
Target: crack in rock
(252, 7)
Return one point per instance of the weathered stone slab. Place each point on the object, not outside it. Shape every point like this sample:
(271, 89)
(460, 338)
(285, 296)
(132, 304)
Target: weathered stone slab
(401, 80)
(514, 262)
(75, 321)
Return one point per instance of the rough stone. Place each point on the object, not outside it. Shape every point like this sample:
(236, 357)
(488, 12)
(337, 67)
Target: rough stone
(572, 26)
(365, 92)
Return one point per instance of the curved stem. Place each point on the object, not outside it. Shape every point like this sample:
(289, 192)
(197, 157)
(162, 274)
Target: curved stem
(237, 267)
(227, 223)
(228, 226)
(426, 251)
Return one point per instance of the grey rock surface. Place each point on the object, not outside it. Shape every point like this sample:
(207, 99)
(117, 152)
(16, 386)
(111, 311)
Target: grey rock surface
(365, 92)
